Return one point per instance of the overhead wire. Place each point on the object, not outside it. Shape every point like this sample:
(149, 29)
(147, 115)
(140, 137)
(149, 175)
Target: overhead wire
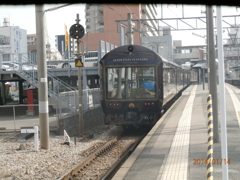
(140, 19)
(184, 13)
(47, 37)
(157, 44)
(114, 11)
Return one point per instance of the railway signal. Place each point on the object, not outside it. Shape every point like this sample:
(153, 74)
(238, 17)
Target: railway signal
(76, 31)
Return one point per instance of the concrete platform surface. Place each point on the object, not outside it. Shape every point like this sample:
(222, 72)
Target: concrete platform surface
(176, 147)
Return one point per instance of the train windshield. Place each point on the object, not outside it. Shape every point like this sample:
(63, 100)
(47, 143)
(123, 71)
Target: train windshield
(131, 82)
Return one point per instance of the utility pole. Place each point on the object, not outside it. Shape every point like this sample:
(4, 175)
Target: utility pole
(224, 147)
(2, 96)
(203, 78)
(80, 92)
(129, 33)
(212, 71)
(42, 77)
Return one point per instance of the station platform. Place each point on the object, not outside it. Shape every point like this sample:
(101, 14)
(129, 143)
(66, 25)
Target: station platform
(176, 147)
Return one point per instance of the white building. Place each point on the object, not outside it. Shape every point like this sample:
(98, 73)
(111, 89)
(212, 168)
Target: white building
(32, 48)
(13, 42)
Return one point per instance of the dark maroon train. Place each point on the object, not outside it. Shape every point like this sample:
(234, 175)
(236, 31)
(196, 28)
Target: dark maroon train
(137, 85)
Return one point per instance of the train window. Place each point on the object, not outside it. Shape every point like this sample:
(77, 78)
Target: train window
(131, 82)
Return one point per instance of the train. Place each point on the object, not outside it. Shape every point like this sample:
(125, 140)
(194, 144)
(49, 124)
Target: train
(137, 85)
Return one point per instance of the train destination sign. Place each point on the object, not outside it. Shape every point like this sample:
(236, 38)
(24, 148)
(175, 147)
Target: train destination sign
(131, 59)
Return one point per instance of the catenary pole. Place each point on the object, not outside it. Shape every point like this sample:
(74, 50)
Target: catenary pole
(212, 72)
(42, 77)
(129, 33)
(224, 150)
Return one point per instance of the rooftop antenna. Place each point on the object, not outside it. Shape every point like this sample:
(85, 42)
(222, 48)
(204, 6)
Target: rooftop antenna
(6, 22)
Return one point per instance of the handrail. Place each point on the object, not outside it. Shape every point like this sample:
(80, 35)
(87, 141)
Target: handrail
(56, 87)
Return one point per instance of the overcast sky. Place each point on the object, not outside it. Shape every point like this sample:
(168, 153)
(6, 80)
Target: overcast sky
(24, 17)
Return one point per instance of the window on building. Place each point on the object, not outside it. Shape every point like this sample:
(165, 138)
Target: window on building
(4, 40)
(6, 57)
(188, 50)
(182, 51)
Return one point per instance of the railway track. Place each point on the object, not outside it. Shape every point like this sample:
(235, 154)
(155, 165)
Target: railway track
(103, 160)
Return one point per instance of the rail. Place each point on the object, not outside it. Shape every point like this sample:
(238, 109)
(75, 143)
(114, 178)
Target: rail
(112, 171)
(89, 159)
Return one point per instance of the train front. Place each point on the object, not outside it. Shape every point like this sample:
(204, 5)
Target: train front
(131, 86)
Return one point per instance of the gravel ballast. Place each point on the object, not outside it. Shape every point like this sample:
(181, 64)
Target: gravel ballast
(19, 160)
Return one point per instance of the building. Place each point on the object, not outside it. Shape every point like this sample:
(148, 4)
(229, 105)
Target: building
(60, 43)
(101, 23)
(61, 46)
(183, 54)
(32, 48)
(162, 44)
(13, 43)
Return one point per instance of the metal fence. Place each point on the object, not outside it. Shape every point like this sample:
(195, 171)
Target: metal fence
(15, 116)
(90, 100)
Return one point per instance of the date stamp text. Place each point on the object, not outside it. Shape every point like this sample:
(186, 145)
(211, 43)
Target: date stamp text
(212, 161)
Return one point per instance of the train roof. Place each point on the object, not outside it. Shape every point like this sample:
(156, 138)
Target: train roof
(138, 55)
(131, 55)
(170, 62)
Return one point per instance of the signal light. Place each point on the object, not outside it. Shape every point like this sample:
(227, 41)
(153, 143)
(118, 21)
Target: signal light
(148, 104)
(113, 104)
(77, 31)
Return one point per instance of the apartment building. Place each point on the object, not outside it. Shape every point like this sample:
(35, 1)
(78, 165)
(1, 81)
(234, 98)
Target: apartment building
(13, 42)
(101, 23)
(32, 48)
